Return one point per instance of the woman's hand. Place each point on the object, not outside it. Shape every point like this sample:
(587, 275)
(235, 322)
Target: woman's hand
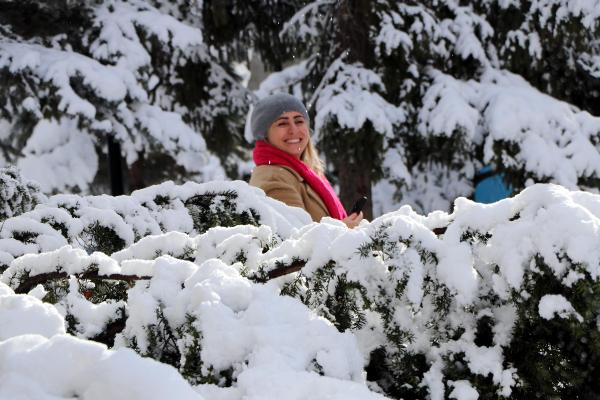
(353, 220)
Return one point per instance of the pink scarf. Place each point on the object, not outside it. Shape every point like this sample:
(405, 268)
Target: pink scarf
(266, 154)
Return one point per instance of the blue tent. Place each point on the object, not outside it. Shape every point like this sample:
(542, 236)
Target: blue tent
(492, 188)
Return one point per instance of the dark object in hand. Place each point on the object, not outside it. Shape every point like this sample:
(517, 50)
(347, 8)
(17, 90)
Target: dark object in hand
(358, 205)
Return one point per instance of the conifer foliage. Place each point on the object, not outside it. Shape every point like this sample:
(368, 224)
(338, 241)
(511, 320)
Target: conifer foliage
(409, 100)
(246, 297)
(75, 73)
(490, 308)
(17, 195)
(412, 99)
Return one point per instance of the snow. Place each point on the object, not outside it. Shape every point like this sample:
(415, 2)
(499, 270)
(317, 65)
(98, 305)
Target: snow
(280, 80)
(72, 219)
(568, 225)
(552, 305)
(168, 128)
(350, 98)
(278, 346)
(22, 314)
(171, 243)
(301, 25)
(272, 212)
(91, 318)
(66, 259)
(118, 39)
(64, 367)
(591, 63)
(43, 237)
(463, 390)
(59, 156)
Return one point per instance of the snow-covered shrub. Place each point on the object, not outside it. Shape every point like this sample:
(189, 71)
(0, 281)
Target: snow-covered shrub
(89, 303)
(504, 304)
(17, 195)
(216, 326)
(224, 333)
(109, 224)
(38, 361)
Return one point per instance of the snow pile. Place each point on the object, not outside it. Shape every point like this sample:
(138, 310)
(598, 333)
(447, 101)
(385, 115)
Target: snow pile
(39, 361)
(23, 315)
(218, 328)
(553, 304)
(33, 367)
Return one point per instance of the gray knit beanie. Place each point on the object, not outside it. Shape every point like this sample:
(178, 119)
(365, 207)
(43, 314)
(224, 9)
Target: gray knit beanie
(268, 109)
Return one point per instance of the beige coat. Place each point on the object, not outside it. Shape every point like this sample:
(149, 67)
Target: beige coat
(286, 185)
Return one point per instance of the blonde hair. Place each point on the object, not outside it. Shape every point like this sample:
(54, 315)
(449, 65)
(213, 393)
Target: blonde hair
(310, 156)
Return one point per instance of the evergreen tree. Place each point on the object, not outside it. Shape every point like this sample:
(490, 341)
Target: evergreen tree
(76, 73)
(414, 98)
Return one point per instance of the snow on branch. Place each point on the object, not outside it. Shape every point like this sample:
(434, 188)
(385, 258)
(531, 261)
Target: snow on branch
(117, 39)
(109, 224)
(433, 308)
(132, 72)
(517, 126)
(60, 68)
(349, 95)
(302, 24)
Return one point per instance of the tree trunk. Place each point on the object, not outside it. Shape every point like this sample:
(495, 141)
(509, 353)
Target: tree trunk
(355, 182)
(355, 177)
(354, 20)
(136, 174)
(114, 166)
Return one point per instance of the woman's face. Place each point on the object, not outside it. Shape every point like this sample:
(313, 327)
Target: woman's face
(289, 133)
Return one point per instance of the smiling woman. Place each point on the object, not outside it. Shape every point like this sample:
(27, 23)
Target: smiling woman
(289, 133)
(287, 165)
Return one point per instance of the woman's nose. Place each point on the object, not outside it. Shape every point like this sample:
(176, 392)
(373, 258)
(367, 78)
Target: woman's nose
(294, 128)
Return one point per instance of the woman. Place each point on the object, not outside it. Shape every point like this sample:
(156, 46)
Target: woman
(287, 165)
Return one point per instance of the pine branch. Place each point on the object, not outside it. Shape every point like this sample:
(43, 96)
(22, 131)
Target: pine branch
(294, 267)
(33, 281)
